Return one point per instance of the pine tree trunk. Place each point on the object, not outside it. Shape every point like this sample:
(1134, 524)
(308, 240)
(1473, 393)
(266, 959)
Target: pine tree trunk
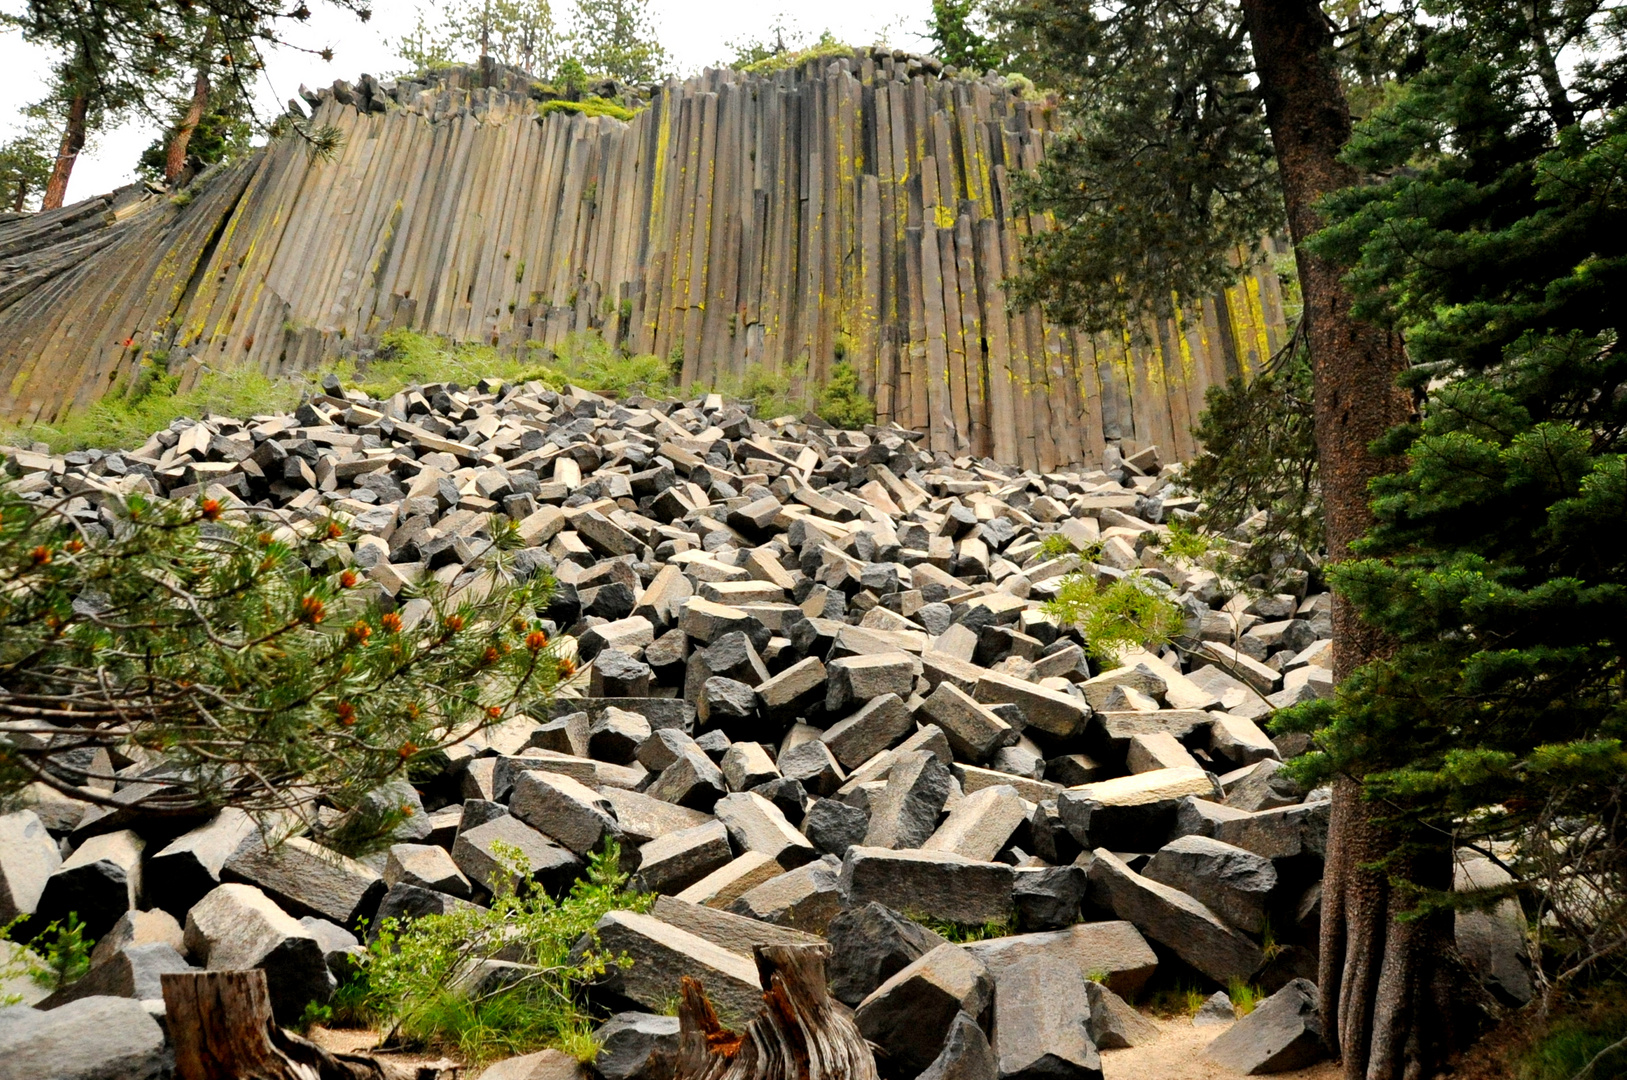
(73, 141)
(1389, 989)
(801, 1034)
(221, 1026)
(175, 155)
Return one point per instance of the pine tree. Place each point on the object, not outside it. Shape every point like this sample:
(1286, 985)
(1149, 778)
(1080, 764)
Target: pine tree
(1497, 246)
(25, 166)
(240, 653)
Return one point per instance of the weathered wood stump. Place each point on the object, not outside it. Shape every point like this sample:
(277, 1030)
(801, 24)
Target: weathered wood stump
(801, 1034)
(221, 1026)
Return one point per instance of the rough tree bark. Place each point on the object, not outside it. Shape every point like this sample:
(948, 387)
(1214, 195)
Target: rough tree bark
(801, 1034)
(221, 1026)
(175, 153)
(1391, 990)
(73, 141)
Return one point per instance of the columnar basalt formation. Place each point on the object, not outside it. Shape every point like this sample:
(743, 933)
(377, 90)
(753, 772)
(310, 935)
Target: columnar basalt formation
(856, 208)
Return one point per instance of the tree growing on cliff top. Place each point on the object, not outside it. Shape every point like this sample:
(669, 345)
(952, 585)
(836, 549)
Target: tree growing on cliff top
(239, 656)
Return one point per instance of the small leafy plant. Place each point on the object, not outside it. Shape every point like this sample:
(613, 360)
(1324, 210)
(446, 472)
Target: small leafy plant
(1127, 613)
(416, 978)
(841, 400)
(964, 933)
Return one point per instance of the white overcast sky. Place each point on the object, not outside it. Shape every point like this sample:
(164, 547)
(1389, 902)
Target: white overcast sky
(694, 32)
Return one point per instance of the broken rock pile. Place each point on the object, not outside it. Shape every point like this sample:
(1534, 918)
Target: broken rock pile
(818, 693)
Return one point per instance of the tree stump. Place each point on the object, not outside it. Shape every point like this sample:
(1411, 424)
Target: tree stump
(221, 1026)
(801, 1034)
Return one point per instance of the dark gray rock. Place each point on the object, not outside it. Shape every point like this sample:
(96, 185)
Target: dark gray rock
(806, 898)
(131, 972)
(1493, 940)
(99, 882)
(1174, 920)
(305, 878)
(755, 824)
(237, 927)
(637, 1046)
(1112, 950)
(833, 826)
(1283, 1033)
(564, 810)
(812, 765)
(404, 903)
(966, 1054)
(95, 1038)
(1041, 1018)
(726, 703)
(690, 780)
(1114, 1023)
(672, 863)
(1048, 898)
(426, 866)
(616, 734)
(552, 866)
(868, 946)
(934, 884)
(880, 724)
(662, 954)
(340, 947)
(1233, 883)
(909, 1016)
(904, 814)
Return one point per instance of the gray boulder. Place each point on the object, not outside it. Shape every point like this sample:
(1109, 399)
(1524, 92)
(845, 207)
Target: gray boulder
(1233, 883)
(1283, 1033)
(662, 954)
(426, 866)
(566, 811)
(909, 1016)
(475, 852)
(1114, 949)
(966, 1054)
(238, 927)
(1114, 1023)
(637, 1046)
(833, 826)
(1493, 940)
(1048, 897)
(1041, 1020)
(94, 1038)
(1216, 1010)
(931, 883)
(306, 878)
(99, 882)
(868, 946)
(905, 813)
(1174, 920)
(672, 863)
(28, 858)
(131, 972)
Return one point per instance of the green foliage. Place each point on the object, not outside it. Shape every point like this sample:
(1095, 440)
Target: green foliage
(1244, 996)
(1131, 612)
(153, 399)
(25, 166)
(1497, 246)
(842, 403)
(414, 973)
(1056, 546)
(1186, 542)
(1165, 169)
(515, 33)
(617, 38)
(1259, 455)
(1585, 1039)
(590, 362)
(961, 36)
(235, 645)
(589, 106)
(222, 133)
(963, 933)
(767, 61)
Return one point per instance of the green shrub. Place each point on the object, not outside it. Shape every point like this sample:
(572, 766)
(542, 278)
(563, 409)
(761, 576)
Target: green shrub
(57, 956)
(1186, 542)
(827, 45)
(841, 403)
(1128, 613)
(1244, 996)
(590, 362)
(411, 972)
(1580, 1036)
(125, 417)
(593, 106)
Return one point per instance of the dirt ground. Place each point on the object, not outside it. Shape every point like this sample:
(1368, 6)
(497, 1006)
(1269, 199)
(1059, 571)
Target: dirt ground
(363, 1041)
(1178, 1055)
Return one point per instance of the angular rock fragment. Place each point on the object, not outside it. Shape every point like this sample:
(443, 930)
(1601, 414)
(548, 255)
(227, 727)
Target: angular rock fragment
(238, 927)
(869, 945)
(934, 884)
(910, 1015)
(1233, 883)
(1283, 1033)
(1041, 1022)
(1174, 920)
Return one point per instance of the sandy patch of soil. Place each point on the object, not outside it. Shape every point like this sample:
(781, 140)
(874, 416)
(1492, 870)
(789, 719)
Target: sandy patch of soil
(1178, 1055)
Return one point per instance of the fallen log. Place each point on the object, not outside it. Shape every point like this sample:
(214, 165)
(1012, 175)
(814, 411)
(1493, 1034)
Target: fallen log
(801, 1033)
(221, 1026)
